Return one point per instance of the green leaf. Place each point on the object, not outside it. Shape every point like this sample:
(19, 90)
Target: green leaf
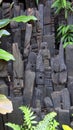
(60, 27)
(66, 13)
(4, 22)
(1, 1)
(13, 126)
(5, 105)
(66, 127)
(37, 1)
(66, 43)
(29, 118)
(55, 4)
(46, 123)
(63, 38)
(24, 18)
(4, 55)
(4, 33)
(64, 3)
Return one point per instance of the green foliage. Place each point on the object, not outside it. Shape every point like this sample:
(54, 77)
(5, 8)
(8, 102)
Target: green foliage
(66, 127)
(60, 5)
(1, 1)
(4, 55)
(23, 18)
(29, 118)
(48, 123)
(13, 126)
(37, 1)
(4, 32)
(4, 22)
(65, 32)
(5, 105)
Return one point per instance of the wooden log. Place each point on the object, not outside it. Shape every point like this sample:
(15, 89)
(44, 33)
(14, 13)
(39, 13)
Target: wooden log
(28, 34)
(47, 29)
(3, 88)
(18, 64)
(40, 8)
(1, 122)
(16, 115)
(16, 10)
(50, 39)
(47, 12)
(27, 4)
(29, 87)
(17, 71)
(16, 33)
(3, 68)
(65, 99)
(56, 97)
(61, 58)
(38, 29)
(17, 87)
(6, 10)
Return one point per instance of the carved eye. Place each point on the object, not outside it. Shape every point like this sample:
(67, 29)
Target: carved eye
(40, 77)
(32, 66)
(43, 47)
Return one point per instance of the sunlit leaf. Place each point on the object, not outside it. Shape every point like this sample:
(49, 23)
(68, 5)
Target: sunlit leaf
(37, 1)
(66, 127)
(4, 55)
(5, 105)
(13, 126)
(24, 18)
(4, 33)
(1, 1)
(64, 3)
(4, 22)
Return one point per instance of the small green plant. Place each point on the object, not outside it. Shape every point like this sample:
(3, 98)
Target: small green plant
(64, 5)
(48, 123)
(29, 118)
(5, 103)
(65, 32)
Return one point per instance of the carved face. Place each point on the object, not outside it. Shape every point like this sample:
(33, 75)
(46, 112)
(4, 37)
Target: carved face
(32, 58)
(39, 78)
(44, 46)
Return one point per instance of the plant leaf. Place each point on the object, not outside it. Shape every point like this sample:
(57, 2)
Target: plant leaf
(37, 1)
(4, 32)
(4, 55)
(64, 3)
(66, 127)
(24, 18)
(4, 22)
(13, 126)
(5, 105)
(1, 1)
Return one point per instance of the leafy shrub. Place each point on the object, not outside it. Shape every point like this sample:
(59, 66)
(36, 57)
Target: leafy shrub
(60, 5)
(65, 32)
(4, 22)
(48, 123)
